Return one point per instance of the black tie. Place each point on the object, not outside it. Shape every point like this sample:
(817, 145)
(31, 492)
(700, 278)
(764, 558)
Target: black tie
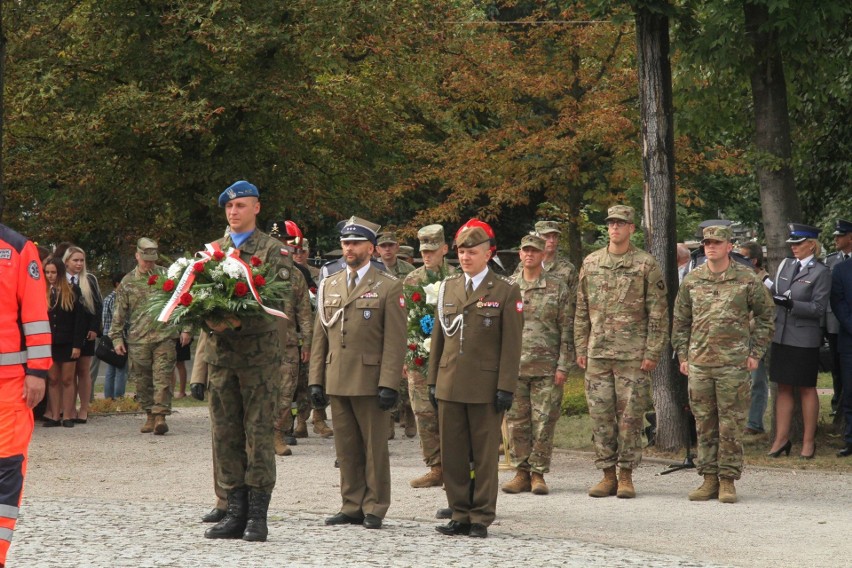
(798, 267)
(74, 280)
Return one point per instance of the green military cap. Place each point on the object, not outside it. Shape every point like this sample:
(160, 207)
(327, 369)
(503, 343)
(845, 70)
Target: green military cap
(471, 236)
(405, 251)
(533, 240)
(387, 237)
(147, 249)
(431, 237)
(623, 212)
(544, 227)
(717, 233)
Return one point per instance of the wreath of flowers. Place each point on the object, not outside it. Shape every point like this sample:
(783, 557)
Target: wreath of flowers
(215, 286)
(420, 301)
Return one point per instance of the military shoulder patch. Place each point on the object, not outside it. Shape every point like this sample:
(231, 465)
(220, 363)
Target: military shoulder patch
(284, 274)
(387, 275)
(504, 278)
(454, 276)
(32, 270)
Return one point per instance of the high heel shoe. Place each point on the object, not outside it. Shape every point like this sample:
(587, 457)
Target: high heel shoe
(810, 457)
(785, 449)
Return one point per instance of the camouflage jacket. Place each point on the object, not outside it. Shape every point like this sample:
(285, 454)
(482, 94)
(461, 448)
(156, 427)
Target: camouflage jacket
(548, 341)
(560, 268)
(257, 341)
(130, 310)
(420, 275)
(622, 312)
(299, 311)
(400, 269)
(711, 315)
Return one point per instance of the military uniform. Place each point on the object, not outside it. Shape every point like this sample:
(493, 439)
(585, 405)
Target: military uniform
(557, 267)
(710, 332)
(475, 352)
(548, 346)
(621, 319)
(832, 326)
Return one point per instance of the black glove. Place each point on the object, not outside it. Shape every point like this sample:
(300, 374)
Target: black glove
(503, 401)
(783, 301)
(432, 398)
(317, 396)
(197, 391)
(387, 398)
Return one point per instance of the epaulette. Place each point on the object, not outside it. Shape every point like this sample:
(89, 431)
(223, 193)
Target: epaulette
(454, 276)
(504, 278)
(388, 275)
(835, 253)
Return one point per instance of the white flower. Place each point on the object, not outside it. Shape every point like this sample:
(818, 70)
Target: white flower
(232, 268)
(427, 344)
(177, 268)
(432, 292)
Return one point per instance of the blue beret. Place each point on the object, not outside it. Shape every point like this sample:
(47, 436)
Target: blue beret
(800, 233)
(241, 188)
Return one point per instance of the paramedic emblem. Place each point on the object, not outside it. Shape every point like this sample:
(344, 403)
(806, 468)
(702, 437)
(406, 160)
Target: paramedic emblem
(33, 270)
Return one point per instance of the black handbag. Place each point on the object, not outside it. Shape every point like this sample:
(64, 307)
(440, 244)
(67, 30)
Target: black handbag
(105, 351)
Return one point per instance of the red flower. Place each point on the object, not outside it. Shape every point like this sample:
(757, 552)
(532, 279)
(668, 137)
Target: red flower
(168, 285)
(416, 297)
(198, 267)
(185, 299)
(241, 289)
(218, 255)
(259, 280)
(412, 347)
(419, 361)
(153, 279)
(256, 261)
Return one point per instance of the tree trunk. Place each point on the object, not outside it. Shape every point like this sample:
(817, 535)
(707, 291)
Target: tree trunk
(655, 99)
(778, 198)
(2, 106)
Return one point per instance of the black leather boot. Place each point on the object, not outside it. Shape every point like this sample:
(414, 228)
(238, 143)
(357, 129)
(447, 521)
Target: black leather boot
(234, 523)
(258, 505)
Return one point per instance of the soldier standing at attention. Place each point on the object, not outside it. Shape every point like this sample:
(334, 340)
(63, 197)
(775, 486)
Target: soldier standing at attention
(547, 355)
(843, 244)
(243, 357)
(620, 329)
(717, 349)
(553, 264)
(356, 359)
(150, 346)
(473, 373)
(433, 249)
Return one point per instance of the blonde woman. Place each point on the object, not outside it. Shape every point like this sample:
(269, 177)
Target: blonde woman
(90, 296)
(800, 292)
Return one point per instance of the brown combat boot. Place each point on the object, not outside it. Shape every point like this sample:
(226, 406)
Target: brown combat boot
(281, 447)
(434, 478)
(727, 491)
(148, 427)
(301, 429)
(539, 487)
(391, 433)
(708, 490)
(160, 426)
(320, 427)
(625, 484)
(606, 486)
(519, 483)
(408, 422)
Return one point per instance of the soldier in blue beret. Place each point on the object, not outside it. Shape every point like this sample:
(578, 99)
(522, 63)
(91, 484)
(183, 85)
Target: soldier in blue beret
(241, 188)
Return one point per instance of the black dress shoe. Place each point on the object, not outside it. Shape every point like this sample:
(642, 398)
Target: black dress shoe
(478, 530)
(79, 420)
(68, 423)
(845, 452)
(444, 513)
(372, 522)
(50, 423)
(214, 516)
(454, 528)
(344, 519)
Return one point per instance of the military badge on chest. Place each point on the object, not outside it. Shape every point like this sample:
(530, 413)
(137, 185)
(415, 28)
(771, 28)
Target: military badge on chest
(487, 322)
(368, 314)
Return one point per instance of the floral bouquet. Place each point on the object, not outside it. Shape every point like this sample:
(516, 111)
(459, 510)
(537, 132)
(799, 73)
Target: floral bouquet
(420, 301)
(215, 286)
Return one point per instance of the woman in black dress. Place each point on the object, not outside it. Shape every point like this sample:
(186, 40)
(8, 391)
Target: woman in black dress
(68, 330)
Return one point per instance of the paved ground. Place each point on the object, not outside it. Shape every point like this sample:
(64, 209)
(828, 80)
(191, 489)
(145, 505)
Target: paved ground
(102, 494)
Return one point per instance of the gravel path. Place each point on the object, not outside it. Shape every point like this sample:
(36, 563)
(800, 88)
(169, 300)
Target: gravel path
(102, 494)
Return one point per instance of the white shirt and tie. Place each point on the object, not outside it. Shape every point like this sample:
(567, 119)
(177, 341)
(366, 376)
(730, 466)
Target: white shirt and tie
(471, 283)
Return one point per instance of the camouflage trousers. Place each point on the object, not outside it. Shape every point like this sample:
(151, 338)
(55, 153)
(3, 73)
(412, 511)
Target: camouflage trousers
(719, 398)
(242, 407)
(289, 376)
(531, 421)
(618, 393)
(152, 367)
(426, 417)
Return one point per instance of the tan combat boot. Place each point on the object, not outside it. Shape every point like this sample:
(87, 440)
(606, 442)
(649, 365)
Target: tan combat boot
(727, 491)
(539, 487)
(281, 447)
(160, 426)
(301, 429)
(606, 486)
(409, 422)
(625, 484)
(519, 483)
(708, 490)
(434, 478)
(148, 427)
(320, 427)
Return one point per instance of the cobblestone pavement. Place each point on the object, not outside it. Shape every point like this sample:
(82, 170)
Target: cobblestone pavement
(102, 494)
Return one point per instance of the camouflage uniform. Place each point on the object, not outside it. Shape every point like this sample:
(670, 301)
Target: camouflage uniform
(558, 268)
(418, 390)
(548, 346)
(621, 319)
(243, 371)
(150, 345)
(710, 331)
